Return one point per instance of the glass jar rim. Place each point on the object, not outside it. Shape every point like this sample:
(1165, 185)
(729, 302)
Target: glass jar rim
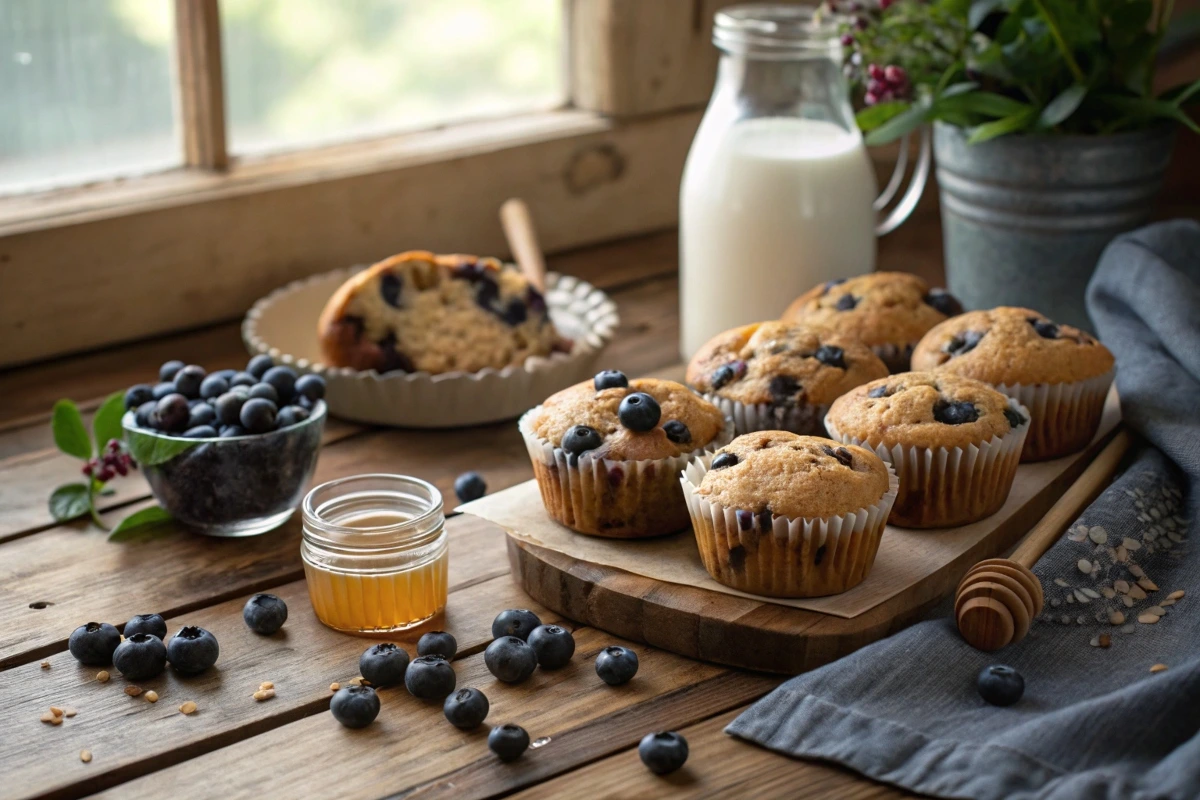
(434, 512)
(777, 29)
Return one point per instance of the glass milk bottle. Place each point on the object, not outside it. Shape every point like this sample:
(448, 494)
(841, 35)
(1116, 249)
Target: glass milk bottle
(778, 191)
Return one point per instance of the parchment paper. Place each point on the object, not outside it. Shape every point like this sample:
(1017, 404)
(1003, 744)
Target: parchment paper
(905, 556)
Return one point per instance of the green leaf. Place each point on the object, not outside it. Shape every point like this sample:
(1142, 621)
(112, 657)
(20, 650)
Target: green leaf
(1178, 96)
(70, 435)
(955, 89)
(980, 10)
(872, 117)
(106, 425)
(1062, 107)
(986, 103)
(69, 501)
(1145, 109)
(142, 524)
(150, 450)
(898, 125)
(1001, 127)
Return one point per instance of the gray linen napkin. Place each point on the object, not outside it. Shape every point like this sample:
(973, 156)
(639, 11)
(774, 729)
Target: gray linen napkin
(1095, 722)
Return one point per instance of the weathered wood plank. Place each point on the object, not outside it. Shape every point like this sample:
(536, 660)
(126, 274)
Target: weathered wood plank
(411, 747)
(201, 83)
(130, 737)
(718, 766)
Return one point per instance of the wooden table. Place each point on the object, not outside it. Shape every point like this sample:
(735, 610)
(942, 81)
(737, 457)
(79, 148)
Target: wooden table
(56, 577)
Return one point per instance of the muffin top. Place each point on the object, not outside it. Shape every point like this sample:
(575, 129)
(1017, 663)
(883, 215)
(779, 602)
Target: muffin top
(782, 363)
(776, 472)
(876, 309)
(1012, 345)
(611, 417)
(924, 409)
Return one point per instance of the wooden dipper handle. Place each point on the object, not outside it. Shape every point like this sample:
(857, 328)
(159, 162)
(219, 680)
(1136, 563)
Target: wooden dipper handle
(522, 240)
(999, 597)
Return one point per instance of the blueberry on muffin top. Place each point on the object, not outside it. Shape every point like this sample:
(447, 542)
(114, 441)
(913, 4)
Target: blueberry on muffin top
(1010, 345)
(876, 309)
(924, 409)
(782, 364)
(627, 420)
(776, 472)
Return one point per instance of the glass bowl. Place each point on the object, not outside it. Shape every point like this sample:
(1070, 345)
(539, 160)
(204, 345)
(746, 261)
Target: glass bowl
(237, 486)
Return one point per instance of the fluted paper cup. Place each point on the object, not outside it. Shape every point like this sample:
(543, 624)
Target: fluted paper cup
(807, 419)
(1063, 416)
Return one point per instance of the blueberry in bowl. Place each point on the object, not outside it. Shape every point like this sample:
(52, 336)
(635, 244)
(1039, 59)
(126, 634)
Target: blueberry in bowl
(242, 473)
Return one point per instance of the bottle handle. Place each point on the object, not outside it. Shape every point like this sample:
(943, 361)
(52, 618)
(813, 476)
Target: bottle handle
(916, 186)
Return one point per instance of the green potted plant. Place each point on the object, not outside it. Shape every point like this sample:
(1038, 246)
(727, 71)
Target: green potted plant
(1048, 136)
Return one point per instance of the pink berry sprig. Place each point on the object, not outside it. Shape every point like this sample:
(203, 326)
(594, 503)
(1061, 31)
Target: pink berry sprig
(885, 84)
(113, 462)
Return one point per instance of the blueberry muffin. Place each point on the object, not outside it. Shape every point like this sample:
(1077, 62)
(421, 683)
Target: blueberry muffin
(887, 311)
(417, 312)
(784, 515)
(954, 443)
(780, 375)
(1060, 373)
(607, 453)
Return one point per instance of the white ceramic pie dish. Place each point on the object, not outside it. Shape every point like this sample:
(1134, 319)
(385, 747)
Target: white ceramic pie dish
(284, 325)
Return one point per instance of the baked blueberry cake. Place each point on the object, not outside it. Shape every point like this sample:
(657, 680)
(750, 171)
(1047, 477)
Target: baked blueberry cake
(954, 442)
(420, 312)
(607, 453)
(887, 311)
(780, 375)
(789, 516)
(1059, 372)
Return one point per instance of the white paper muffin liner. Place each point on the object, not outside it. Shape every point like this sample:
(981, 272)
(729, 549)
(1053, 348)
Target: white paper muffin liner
(807, 419)
(896, 358)
(945, 487)
(1063, 416)
(284, 325)
(806, 557)
(613, 498)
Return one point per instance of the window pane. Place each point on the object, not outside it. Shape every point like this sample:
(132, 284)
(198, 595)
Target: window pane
(85, 91)
(304, 71)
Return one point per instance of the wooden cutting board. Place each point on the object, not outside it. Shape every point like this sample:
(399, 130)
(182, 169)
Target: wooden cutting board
(709, 623)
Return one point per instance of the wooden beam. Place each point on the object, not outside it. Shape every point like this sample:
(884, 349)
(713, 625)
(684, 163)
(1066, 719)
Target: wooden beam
(201, 83)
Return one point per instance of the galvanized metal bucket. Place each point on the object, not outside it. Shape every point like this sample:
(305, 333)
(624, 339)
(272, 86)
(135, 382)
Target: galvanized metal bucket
(1024, 218)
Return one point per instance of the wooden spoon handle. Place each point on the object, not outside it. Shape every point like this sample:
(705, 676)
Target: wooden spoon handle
(1074, 500)
(522, 240)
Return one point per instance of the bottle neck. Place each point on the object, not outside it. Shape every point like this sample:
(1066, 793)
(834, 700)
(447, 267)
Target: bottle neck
(809, 86)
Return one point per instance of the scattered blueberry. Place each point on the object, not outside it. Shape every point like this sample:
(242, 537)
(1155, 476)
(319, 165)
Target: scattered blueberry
(172, 413)
(616, 665)
(879, 391)
(437, 643)
(831, 356)
(265, 391)
(841, 454)
(518, 622)
(140, 656)
(144, 416)
(258, 415)
(161, 390)
(259, 365)
(1044, 327)
(639, 412)
(724, 460)
(510, 659)
(384, 664)
(955, 413)
(153, 624)
(1000, 685)
(1014, 417)
(283, 379)
(290, 415)
(430, 677)
(188, 380)
(783, 389)
(580, 438)
(470, 486)
(201, 414)
(192, 650)
(201, 432)
(677, 432)
(242, 379)
(167, 372)
(93, 644)
(466, 709)
(355, 706)
(508, 742)
(663, 752)
(964, 343)
(136, 395)
(846, 302)
(232, 431)
(229, 408)
(311, 386)
(727, 373)
(553, 646)
(213, 386)
(264, 613)
(610, 379)
(944, 302)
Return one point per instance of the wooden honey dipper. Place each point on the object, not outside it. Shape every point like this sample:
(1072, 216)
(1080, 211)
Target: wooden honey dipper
(998, 598)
